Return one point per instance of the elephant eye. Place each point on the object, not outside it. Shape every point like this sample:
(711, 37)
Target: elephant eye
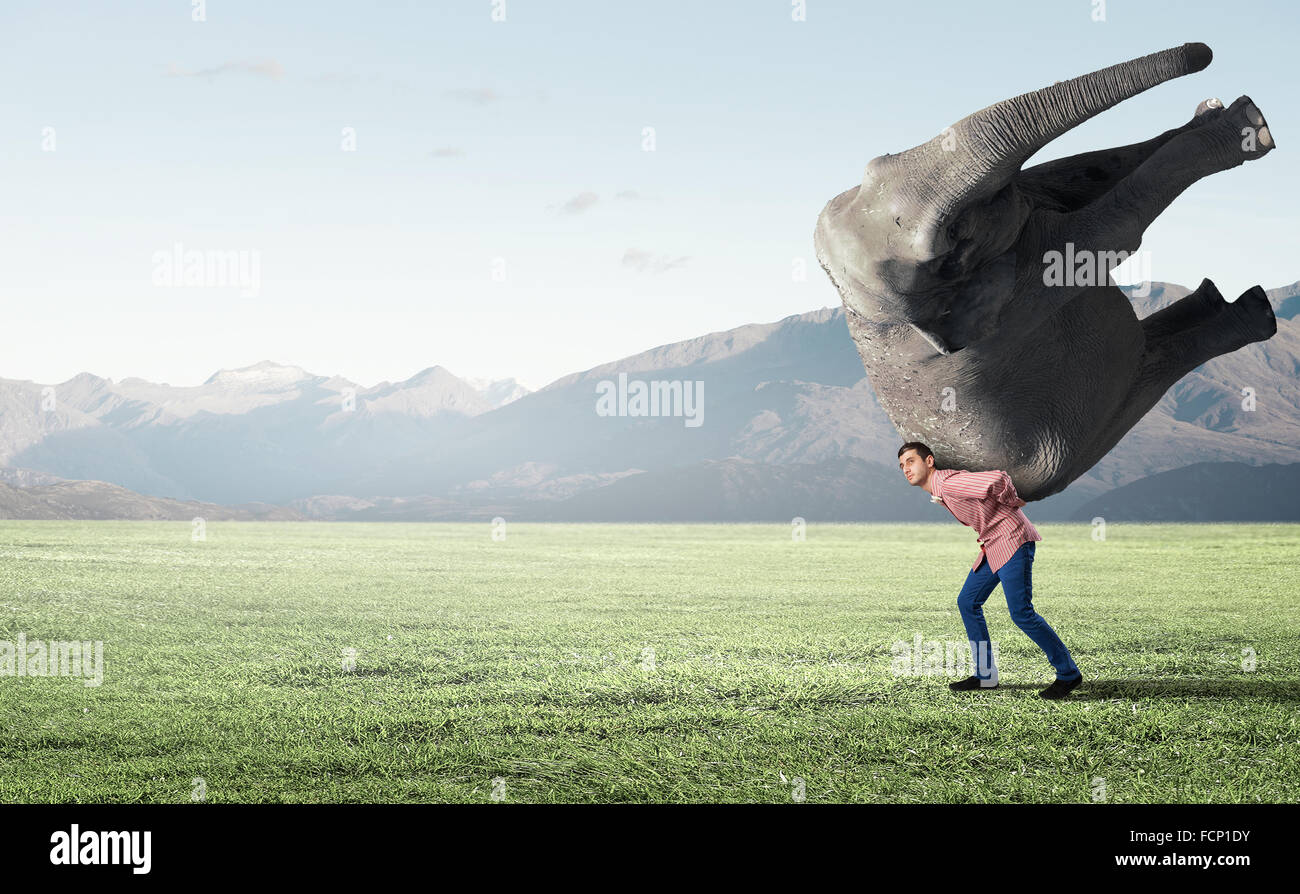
(952, 232)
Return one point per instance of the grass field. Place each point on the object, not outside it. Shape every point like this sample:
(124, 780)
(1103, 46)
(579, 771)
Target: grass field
(637, 663)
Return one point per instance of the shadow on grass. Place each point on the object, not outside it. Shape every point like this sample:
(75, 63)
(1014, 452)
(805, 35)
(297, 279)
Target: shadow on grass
(1100, 690)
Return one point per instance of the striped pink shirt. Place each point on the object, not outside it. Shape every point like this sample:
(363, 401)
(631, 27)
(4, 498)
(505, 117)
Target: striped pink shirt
(987, 502)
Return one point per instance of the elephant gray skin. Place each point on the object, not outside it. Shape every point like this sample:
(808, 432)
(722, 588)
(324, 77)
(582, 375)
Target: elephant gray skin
(940, 257)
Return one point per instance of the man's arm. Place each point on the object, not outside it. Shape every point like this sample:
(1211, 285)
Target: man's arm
(983, 485)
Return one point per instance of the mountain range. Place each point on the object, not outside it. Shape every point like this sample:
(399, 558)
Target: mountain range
(788, 425)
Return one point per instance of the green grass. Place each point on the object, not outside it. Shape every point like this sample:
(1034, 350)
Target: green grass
(523, 660)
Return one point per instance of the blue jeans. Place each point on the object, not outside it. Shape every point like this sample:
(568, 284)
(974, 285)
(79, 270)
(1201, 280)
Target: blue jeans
(1017, 585)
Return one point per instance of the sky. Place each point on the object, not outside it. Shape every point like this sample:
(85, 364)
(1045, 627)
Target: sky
(418, 184)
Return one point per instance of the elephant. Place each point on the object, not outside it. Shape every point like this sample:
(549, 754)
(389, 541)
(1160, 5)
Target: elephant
(948, 259)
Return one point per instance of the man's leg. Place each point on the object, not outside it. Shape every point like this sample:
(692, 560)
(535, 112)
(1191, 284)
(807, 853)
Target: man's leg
(970, 602)
(1017, 583)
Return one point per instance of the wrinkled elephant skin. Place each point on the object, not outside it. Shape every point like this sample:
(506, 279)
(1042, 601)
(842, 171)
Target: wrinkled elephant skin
(978, 293)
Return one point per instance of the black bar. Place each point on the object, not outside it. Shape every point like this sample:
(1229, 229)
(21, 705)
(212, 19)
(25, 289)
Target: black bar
(334, 843)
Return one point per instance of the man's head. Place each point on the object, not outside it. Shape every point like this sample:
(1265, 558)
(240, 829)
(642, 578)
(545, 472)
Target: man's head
(916, 463)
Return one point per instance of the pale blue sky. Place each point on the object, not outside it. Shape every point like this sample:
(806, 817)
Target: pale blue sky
(226, 134)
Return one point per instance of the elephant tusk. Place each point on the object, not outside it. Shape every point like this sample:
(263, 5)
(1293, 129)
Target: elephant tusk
(935, 341)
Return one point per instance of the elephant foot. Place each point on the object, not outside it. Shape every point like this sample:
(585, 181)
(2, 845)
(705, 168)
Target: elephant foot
(1209, 111)
(1201, 305)
(1249, 128)
(1251, 316)
(1203, 326)
(1224, 138)
(1222, 326)
(1248, 319)
(1205, 302)
(1207, 104)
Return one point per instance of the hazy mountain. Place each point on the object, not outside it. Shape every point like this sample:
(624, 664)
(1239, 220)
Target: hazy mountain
(794, 392)
(779, 392)
(264, 432)
(768, 396)
(26, 478)
(99, 500)
(498, 392)
(731, 490)
(1285, 301)
(1204, 492)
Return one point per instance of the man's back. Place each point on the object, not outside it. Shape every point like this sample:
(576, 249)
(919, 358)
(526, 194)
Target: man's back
(987, 502)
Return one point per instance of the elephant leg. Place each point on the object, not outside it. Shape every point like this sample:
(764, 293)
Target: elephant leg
(1197, 328)
(1179, 338)
(1117, 219)
(1072, 182)
(1199, 306)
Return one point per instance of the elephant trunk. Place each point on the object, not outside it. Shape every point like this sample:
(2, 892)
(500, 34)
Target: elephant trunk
(982, 152)
(1002, 137)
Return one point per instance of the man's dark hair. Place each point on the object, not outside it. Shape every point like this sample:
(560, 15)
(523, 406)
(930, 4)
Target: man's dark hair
(921, 450)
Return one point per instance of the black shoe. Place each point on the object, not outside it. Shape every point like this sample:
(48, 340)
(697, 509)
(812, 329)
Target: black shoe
(1061, 688)
(968, 683)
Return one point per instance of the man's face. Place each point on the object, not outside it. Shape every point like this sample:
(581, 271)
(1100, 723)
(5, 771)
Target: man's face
(915, 469)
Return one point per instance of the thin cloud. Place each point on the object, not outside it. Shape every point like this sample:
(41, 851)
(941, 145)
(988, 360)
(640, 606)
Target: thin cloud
(479, 96)
(652, 264)
(579, 203)
(266, 68)
(447, 152)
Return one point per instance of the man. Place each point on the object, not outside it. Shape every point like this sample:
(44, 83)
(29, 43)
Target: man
(987, 502)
